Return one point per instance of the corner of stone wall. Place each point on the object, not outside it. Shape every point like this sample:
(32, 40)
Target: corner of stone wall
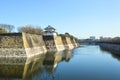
(59, 43)
(33, 44)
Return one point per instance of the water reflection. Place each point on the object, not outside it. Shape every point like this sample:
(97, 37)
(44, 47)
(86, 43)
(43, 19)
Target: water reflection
(19, 68)
(51, 62)
(113, 54)
(11, 67)
(40, 67)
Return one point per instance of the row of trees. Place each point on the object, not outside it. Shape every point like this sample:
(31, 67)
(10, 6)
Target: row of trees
(31, 29)
(7, 28)
(110, 40)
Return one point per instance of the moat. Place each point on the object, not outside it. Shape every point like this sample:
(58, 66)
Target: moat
(83, 63)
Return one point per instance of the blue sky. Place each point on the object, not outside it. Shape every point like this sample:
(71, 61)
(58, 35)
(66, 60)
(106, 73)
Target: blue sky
(81, 18)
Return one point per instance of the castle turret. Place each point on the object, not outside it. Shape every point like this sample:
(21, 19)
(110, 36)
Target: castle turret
(50, 31)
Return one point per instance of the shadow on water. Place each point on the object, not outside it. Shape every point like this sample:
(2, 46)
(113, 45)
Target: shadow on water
(112, 53)
(40, 67)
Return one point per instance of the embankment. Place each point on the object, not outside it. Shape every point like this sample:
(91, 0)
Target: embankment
(112, 47)
(21, 45)
(69, 42)
(33, 44)
(53, 43)
(27, 45)
(59, 43)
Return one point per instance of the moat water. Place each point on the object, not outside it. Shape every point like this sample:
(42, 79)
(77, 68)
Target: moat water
(83, 63)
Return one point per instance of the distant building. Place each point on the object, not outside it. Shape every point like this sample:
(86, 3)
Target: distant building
(92, 37)
(50, 30)
(101, 37)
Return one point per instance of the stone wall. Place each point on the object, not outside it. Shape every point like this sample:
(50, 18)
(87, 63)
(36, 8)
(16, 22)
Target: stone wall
(11, 40)
(115, 48)
(27, 45)
(11, 45)
(69, 43)
(74, 42)
(33, 44)
(11, 71)
(59, 43)
(21, 45)
(50, 43)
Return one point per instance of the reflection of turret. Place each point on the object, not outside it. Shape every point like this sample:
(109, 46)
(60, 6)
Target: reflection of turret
(20, 68)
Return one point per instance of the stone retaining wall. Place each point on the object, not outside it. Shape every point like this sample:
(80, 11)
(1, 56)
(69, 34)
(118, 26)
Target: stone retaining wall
(33, 44)
(11, 40)
(115, 48)
(21, 45)
(50, 43)
(59, 43)
(28, 45)
(69, 43)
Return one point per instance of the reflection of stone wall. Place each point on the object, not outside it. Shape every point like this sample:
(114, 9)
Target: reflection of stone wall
(15, 68)
(33, 67)
(20, 68)
(11, 71)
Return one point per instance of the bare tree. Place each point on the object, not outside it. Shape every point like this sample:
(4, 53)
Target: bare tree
(7, 27)
(31, 29)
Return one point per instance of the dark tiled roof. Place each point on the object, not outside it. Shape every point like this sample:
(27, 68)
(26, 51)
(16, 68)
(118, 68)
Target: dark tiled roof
(49, 27)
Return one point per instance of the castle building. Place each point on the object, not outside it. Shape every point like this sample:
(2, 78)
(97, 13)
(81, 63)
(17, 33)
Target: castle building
(50, 31)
